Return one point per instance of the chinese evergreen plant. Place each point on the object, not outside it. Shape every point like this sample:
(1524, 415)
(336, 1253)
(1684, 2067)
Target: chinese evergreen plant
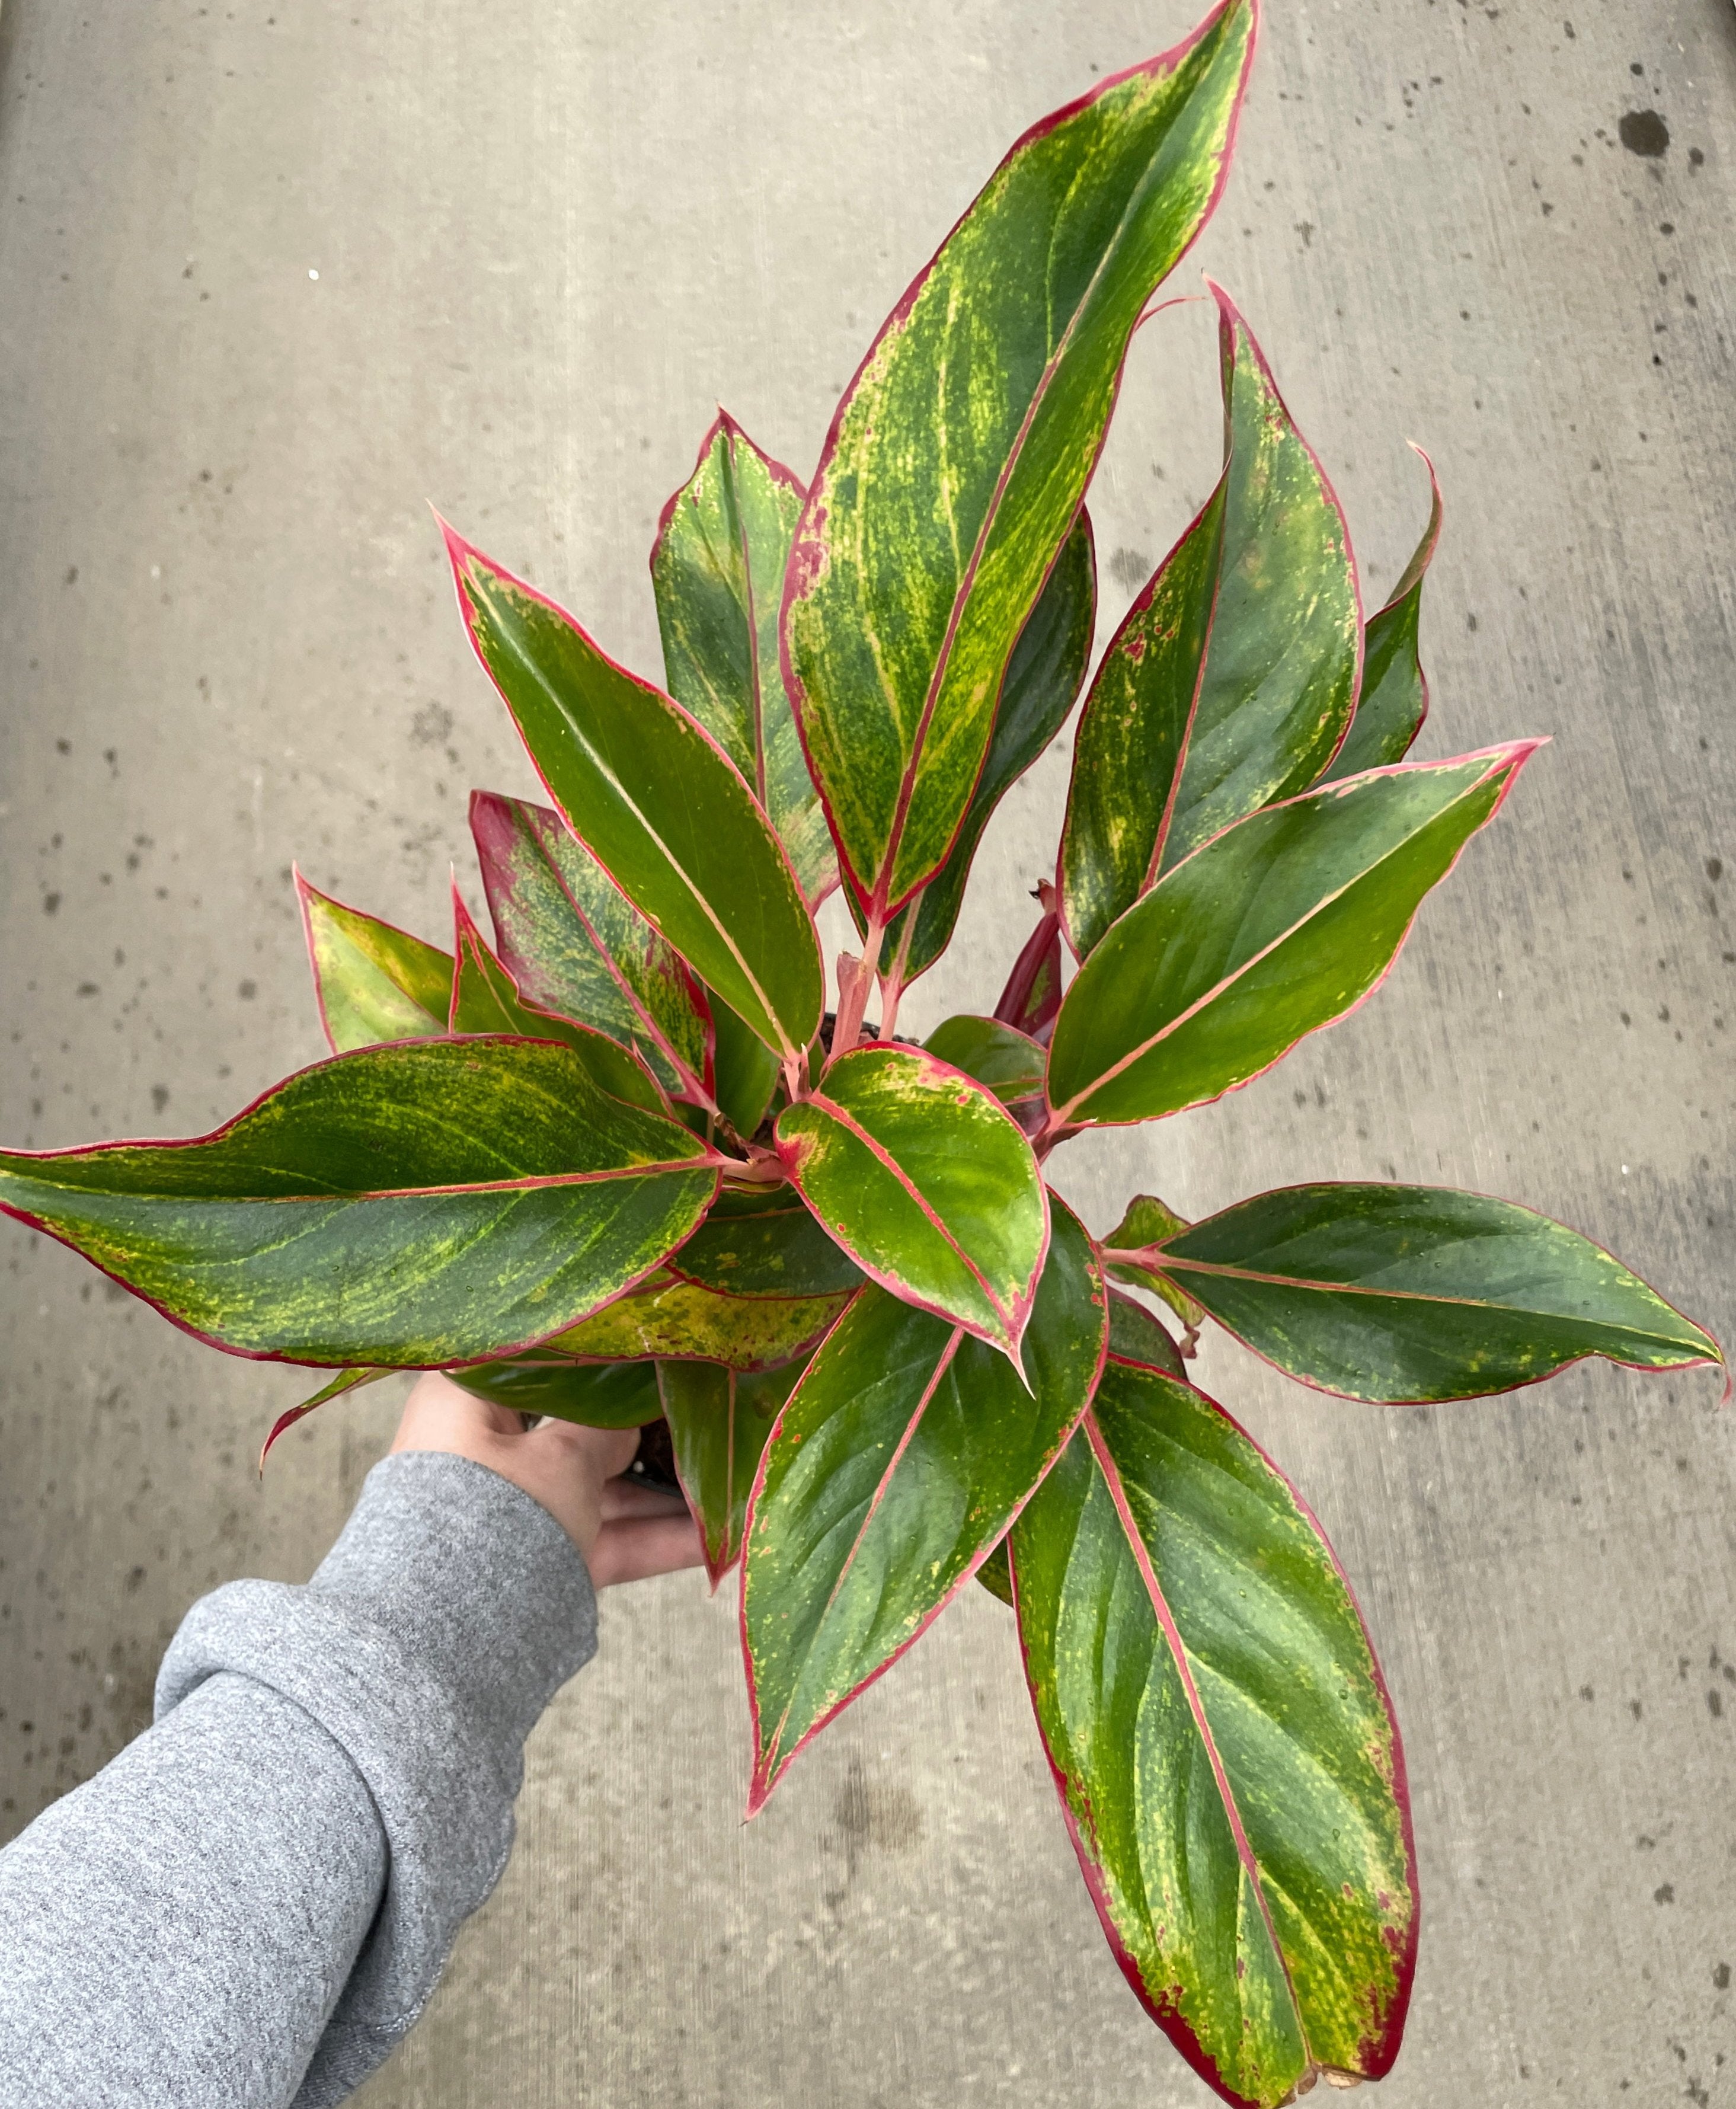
(618, 1166)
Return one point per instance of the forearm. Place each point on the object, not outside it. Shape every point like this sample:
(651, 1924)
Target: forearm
(178, 1930)
(251, 1904)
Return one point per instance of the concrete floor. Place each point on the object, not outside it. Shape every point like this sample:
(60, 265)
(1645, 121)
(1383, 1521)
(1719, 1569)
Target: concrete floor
(547, 240)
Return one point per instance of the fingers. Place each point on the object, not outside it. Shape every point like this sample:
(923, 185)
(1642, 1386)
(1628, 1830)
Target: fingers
(603, 1451)
(635, 1548)
(631, 1497)
(626, 1531)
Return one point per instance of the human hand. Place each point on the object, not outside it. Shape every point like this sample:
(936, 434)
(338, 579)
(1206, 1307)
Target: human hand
(625, 1531)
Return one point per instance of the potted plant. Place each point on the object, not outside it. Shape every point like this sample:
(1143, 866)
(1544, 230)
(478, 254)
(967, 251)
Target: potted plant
(622, 1164)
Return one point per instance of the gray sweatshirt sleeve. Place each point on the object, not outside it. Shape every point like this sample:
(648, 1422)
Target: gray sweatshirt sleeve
(251, 1904)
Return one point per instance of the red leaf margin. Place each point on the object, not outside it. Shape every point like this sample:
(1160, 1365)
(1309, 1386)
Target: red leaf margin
(306, 891)
(705, 1161)
(1719, 1360)
(1511, 756)
(1230, 320)
(486, 808)
(458, 547)
(792, 1156)
(762, 1783)
(1379, 2053)
(804, 556)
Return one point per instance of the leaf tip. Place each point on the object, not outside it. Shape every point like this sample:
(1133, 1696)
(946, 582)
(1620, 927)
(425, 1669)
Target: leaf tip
(459, 550)
(283, 1422)
(1517, 752)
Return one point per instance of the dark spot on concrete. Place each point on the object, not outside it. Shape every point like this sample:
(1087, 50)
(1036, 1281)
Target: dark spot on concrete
(1470, 622)
(135, 1580)
(1664, 1893)
(1714, 868)
(1569, 28)
(1696, 157)
(1721, 1977)
(431, 724)
(247, 991)
(72, 575)
(1130, 569)
(63, 747)
(871, 1817)
(1715, 1704)
(160, 1096)
(1636, 67)
(1586, 1692)
(1644, 133)
(1664, 227)
(51, 902)
(87, 988)
(1633, 1708)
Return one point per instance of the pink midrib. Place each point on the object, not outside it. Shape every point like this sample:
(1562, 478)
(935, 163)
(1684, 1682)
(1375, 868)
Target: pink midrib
(907, 788)
(768, 1755)
(851, 1126)
(1064, 1114)
(1184, 1671)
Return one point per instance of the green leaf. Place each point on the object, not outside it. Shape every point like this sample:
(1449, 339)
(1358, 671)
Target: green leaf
(1395, 695)
(485, 999)
(996, 1575)
(407, 1206)
(679, 1321)
(1234, 674)
(654, 800)
(1397, 1294)
(717, 570)
(764, 1241)
(1009, 1062)
(928, 1184)
(1042, 681)
(746, 1070)
(373, 983)
(575, 944)
(1222, 1741)
(1136, 1336)
(899, 1462)
(594, 1394)
(1148, 1222)
(344, 1381)
(1277, 927)
(958, 458)
(718, 1421)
